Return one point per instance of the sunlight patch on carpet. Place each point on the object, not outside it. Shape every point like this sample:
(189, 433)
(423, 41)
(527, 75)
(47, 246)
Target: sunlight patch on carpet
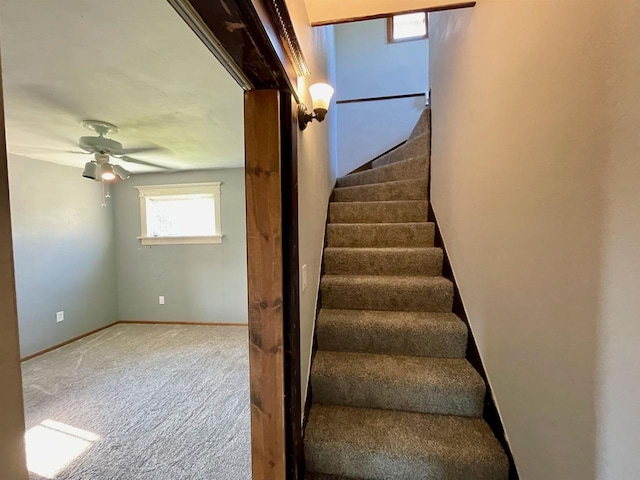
(51, 446)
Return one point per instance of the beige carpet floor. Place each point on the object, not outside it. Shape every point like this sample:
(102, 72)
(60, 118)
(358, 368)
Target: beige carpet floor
(141, 402)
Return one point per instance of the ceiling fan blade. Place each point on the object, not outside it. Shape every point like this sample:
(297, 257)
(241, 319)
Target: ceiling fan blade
(142, 162)
(50, 149)
(126, 151)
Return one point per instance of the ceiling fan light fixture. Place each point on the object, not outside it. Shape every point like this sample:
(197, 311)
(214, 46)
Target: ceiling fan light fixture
(104, 148)
(106, 172)
(121, 172)
(90, 170)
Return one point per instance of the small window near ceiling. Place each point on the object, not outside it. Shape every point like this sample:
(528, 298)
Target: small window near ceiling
(180, 214)
(406, 27)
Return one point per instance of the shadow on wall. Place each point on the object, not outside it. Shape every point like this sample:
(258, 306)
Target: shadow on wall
(517, 184)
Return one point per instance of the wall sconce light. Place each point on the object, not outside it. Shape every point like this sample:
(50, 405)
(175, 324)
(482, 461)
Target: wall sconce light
(321, 94)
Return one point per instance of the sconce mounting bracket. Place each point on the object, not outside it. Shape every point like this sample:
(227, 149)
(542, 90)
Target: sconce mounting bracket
(304, 117)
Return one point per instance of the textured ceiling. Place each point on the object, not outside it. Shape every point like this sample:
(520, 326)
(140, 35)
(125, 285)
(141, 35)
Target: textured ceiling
(134, 63)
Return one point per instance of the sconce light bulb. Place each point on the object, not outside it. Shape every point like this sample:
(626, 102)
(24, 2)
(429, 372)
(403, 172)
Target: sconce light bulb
(321, 94)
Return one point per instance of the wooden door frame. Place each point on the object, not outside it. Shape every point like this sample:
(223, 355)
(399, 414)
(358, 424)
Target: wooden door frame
(256, 42)
(12, 452)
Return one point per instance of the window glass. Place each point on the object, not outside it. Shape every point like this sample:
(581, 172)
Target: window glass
(410, 25)
(181, 215)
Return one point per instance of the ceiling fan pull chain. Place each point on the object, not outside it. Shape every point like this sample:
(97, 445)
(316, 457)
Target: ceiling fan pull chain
(105, 192)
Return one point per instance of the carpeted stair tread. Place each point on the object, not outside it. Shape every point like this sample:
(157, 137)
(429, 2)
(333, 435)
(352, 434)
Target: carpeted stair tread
(382, 235)
(428, 334)
(400, 211)
(414, 189)
(392, 293)
(403, 170)
(414, 147)
(363, 443)
(383, 261)
(446, 386)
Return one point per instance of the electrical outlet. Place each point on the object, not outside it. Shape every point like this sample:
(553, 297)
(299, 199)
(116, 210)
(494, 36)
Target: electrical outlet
(161, 299)
(304, 277)
(59, 316)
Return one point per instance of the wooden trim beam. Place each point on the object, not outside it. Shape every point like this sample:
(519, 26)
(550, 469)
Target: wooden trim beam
(236, 28)
(265, 283)
(451, 6)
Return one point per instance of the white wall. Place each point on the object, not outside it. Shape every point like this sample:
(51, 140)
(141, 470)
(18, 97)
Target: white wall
(619, 332)
(200, 283)
(535, 110)
(316, 173)
(368, 66)
(366, 130)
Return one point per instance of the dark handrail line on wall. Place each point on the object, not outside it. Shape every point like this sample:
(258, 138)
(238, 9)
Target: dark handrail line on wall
(375, 99)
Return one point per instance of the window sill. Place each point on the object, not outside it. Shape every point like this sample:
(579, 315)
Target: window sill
(180, 240)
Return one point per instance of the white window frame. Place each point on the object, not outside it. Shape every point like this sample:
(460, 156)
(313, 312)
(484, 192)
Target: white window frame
(390, 29)
(209, 188)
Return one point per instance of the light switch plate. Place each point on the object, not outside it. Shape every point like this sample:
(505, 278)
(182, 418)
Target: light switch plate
(161, 299)
(59, 316)
(304, 277)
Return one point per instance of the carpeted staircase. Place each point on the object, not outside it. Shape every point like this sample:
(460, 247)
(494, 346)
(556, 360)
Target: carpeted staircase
(393, 395)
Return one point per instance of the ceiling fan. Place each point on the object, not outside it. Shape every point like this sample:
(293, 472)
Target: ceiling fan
(100, 169)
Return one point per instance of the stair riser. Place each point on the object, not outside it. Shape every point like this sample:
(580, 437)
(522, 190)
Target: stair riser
(416, 235)
(366, 392)
(379, 297)
(443, 341)
(324, 476)
(382, 262)
(407, 190)
(374, 212)
(410, 169)
(416, 147)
